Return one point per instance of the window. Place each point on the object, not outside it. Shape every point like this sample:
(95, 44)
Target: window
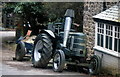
(100, 34)
(108, 37)
(117, 39)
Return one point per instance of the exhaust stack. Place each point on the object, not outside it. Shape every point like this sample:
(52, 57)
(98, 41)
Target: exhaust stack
(69, 15)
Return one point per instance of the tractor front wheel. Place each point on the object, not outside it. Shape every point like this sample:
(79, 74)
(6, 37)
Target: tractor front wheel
(58, 61)
(95, 65)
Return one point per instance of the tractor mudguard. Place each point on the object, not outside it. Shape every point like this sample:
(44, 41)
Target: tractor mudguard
(50, 33)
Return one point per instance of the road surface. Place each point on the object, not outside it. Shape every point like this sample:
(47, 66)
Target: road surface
(7, 35)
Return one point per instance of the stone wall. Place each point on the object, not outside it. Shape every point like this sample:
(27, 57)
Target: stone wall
(91, 9)
(0, 13)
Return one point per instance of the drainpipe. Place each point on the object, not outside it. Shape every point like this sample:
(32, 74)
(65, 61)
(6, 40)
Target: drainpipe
(104, 5)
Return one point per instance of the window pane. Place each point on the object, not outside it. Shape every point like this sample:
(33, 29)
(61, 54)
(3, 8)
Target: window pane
(102, 40)
(115, 34)
(115, 45)
(111, 27)
(98, 40)
(102, 25)
(110, 43)
(119, 46)
(111, 33)
(118, 35)
(118, 29)
(106, 41)
(102, 31)
(98, 30)
(106, 26)
(108, 32)
(98, 24)
(115, 28)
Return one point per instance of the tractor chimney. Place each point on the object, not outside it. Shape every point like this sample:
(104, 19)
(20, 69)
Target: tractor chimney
(68, 21)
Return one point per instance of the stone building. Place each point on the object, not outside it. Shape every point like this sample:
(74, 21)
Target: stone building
(91, 9)
(0, 13)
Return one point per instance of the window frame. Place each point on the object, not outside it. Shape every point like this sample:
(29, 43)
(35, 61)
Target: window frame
(104, 49)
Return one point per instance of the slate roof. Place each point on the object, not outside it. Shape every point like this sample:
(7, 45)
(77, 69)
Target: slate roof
(111, 14)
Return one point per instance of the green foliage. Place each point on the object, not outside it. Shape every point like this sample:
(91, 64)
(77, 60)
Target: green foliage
(9, 7)
(56, 11)
(29, 11)
(38, 12)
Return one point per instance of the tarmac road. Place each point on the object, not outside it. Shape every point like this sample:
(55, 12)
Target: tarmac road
(11, 67)
(7, 35)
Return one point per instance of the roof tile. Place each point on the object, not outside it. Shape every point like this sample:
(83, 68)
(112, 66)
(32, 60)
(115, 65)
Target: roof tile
(111, 14)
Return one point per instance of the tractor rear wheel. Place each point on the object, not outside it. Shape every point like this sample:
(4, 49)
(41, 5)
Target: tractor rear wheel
(95, 65)
(42, 50)
(58, 61)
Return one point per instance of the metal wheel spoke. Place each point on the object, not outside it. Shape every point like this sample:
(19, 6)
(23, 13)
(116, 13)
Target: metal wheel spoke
(56, 61)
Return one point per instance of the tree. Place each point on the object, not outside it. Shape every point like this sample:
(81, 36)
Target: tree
(43, 12)
(29, 11)
(33, 12)
(57, 10)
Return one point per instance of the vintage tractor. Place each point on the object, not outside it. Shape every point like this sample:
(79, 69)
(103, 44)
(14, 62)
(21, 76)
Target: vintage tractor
(65, 46)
